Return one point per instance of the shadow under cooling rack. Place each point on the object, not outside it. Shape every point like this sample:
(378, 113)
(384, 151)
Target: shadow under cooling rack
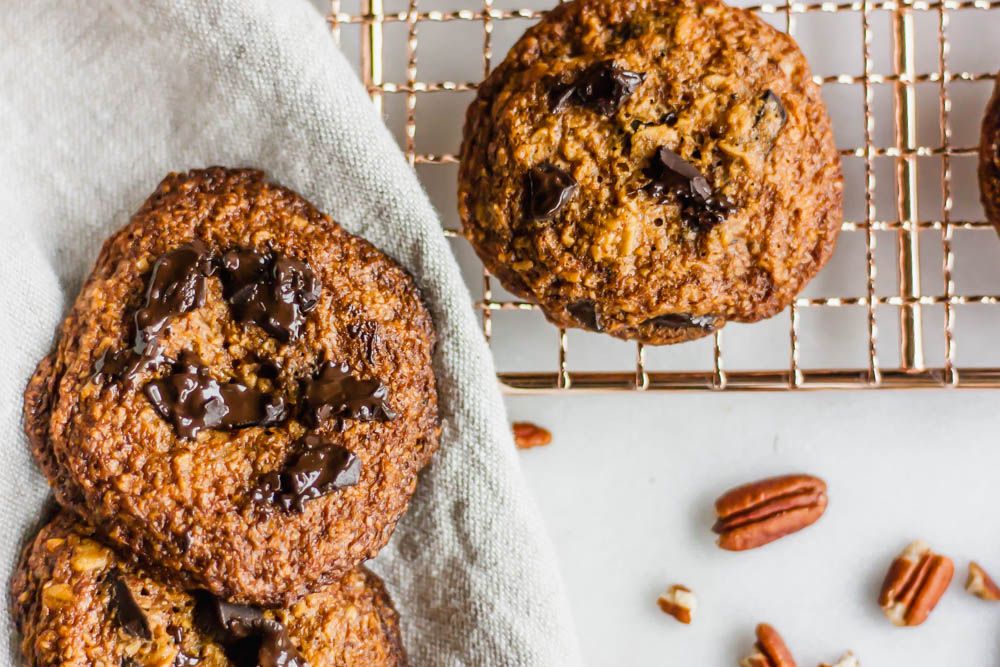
(911, 298)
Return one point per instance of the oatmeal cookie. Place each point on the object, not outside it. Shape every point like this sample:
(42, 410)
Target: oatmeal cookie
(989, 159)
(651, 169)
(77, 603)
(242, 395)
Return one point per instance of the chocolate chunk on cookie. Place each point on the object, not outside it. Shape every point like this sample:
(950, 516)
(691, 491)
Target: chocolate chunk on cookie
(242, 394)
(632, 162)
(77, 602)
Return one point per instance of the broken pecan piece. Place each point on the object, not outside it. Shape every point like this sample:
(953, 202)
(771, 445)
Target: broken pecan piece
(915, 582)
(679, 602)
(846, 660)
(769, 651)
(981, 585)
(754, 514)
(528, 435)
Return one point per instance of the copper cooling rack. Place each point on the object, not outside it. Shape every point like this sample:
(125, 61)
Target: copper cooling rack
(903, 66)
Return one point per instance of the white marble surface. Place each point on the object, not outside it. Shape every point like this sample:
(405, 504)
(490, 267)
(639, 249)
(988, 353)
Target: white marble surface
(628, 484)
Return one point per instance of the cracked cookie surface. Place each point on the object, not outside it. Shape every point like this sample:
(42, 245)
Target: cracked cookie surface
(77, 603)
(172, 411)
(651, 169)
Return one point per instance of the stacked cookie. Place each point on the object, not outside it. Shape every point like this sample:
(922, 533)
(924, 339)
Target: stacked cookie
(233, 418)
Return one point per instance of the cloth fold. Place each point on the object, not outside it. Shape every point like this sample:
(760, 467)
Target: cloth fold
(100, 99)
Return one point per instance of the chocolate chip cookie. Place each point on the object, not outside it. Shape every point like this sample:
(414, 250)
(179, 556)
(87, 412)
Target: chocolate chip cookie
(989, 159)
(242, 395)
(76, 602)
(651, 169)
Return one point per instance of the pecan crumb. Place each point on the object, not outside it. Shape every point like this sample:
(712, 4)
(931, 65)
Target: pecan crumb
(679, 602)
(846, 660)
(528, 435)
(981, 584)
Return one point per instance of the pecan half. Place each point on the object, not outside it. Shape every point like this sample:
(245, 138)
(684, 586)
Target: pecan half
(769, 651)
(679, 602)
(915, 582)
(981, 585)
(754, 514)
(528, 435)
(846, 660)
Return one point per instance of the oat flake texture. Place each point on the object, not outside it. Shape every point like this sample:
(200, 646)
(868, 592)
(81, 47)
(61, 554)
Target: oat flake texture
(101, 99)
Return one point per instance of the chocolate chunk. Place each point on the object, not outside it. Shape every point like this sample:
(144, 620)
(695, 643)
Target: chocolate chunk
(560, 92)
(247, 637)
(176, 286)
(321, 468)
(175, 633)
(683, 321)
(770, 120)
(335, 393)
(223, 620)
(192, 400)
(549, 189)
(603, 87)
(771, 106)
(130, 615)
(585, 313)
(126, 364)
(701, 206)
(272, 292)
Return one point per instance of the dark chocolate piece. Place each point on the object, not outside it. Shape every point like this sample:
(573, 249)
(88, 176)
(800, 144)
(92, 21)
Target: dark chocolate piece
(335, 393)
(176, 286)
(321, 468)
(603, 87)
(549, 189)
(126, 364)
(702, 208)
(272, 292)
(175, 633)
(771, 106)
(192, 400)
(131, 617)
(770, 120)
(585, 313)
(683, 321)
(248, 638)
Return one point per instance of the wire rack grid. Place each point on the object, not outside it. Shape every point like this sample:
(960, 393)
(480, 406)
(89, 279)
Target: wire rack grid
(903, 64)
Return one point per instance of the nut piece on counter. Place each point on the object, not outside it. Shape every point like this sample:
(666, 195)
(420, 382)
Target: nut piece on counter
(846, 660)
(679, 602)
(528, 435)
(981, 585)
(754, 514)
(769, 651)
(915, 582)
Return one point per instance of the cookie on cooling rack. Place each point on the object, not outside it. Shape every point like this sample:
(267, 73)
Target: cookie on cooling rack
(76, 602)
(242, 394)
(651, 169)
(989, 159)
